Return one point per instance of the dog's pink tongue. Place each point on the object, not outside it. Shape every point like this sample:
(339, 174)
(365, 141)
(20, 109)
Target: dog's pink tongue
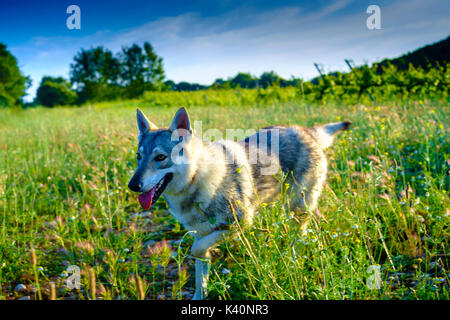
(145, 198)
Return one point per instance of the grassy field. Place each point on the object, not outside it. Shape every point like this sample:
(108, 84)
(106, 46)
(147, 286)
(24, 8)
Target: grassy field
(381, 230)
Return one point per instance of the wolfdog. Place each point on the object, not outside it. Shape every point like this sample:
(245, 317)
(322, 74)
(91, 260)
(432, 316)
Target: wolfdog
(211, 186)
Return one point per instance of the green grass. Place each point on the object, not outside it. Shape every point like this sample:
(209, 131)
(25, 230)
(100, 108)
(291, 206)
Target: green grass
(63, 191)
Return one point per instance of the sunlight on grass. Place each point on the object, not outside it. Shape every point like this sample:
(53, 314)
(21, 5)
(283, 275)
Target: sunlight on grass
(63, 192)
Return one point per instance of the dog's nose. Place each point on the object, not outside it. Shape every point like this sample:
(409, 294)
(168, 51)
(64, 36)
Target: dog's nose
(135, 186)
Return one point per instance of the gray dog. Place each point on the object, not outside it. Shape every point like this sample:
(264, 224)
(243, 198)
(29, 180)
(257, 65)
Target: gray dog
(211, 185)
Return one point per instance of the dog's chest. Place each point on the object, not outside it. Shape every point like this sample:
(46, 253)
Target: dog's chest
(190, 216)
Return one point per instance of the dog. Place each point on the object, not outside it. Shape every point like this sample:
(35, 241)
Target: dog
(209, 186)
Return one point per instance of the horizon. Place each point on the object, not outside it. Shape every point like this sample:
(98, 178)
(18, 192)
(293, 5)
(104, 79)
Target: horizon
(200, 42)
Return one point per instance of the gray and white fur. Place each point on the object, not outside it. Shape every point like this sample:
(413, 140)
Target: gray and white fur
(208, 192)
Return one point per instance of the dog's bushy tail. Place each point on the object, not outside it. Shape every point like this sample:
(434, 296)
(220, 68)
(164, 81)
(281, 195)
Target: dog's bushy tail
(326, 133)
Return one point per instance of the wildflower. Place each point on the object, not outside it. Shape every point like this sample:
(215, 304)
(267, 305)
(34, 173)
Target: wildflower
(334, 235)
(355, 226)
(121, 260)
(63, 274)
(160, 253)
(40, 269)
(226, 271)
(85, 246)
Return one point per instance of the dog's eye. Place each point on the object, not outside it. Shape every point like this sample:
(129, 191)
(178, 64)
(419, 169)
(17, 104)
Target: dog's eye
(138, 156)
(160, 157)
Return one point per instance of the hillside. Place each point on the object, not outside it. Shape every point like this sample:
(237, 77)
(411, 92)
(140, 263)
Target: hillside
(438, 52)
(430, 55)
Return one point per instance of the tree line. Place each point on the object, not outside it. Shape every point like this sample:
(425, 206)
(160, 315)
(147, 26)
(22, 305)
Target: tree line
(97, 74)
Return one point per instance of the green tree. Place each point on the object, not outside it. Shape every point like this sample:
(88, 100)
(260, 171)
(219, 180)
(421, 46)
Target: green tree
(12, 83)
(95, 74)
(243, 80)
(141, 69)
(270, 78)
(55, 91)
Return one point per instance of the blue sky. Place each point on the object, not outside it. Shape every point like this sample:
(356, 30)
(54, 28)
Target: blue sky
(204, 40)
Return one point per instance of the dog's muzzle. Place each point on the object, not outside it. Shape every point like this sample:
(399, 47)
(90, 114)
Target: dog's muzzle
(135, 185)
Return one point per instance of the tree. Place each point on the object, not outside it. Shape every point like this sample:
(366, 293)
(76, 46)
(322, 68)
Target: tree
(95, 74)
(243, 80)
(219, 83)
(141, 69)
(170, 85)
(55, 91)
(12, 83)
(269, 78)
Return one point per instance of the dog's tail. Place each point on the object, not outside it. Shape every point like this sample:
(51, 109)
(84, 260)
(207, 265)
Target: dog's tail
(326, 133)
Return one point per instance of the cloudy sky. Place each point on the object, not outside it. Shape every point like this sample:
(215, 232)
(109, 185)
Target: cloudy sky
(204, 40)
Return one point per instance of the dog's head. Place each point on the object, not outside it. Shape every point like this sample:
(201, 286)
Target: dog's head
(161, 157)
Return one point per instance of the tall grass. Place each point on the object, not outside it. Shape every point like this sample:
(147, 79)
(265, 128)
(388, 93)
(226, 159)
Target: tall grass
(63, 178)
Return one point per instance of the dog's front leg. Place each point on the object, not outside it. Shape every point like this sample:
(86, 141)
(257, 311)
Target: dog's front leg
(201, 279)
(200, 250)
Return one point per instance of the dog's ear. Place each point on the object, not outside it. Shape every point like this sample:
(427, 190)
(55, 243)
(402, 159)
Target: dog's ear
(181, 121)
(143, 123)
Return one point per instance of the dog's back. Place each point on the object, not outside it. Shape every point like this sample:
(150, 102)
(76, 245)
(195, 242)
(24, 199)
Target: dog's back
(243, 175)
(296, 152)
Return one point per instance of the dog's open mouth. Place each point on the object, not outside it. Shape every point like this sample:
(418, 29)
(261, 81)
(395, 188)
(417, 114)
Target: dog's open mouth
(150, 197)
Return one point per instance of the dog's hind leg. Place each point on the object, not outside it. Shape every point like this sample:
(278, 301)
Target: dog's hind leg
(200, 250)
(307, 191)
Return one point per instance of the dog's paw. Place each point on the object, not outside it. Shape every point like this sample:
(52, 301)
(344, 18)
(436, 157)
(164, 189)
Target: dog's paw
(216, 253)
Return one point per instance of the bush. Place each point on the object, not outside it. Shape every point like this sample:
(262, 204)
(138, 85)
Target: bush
(55, 91)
